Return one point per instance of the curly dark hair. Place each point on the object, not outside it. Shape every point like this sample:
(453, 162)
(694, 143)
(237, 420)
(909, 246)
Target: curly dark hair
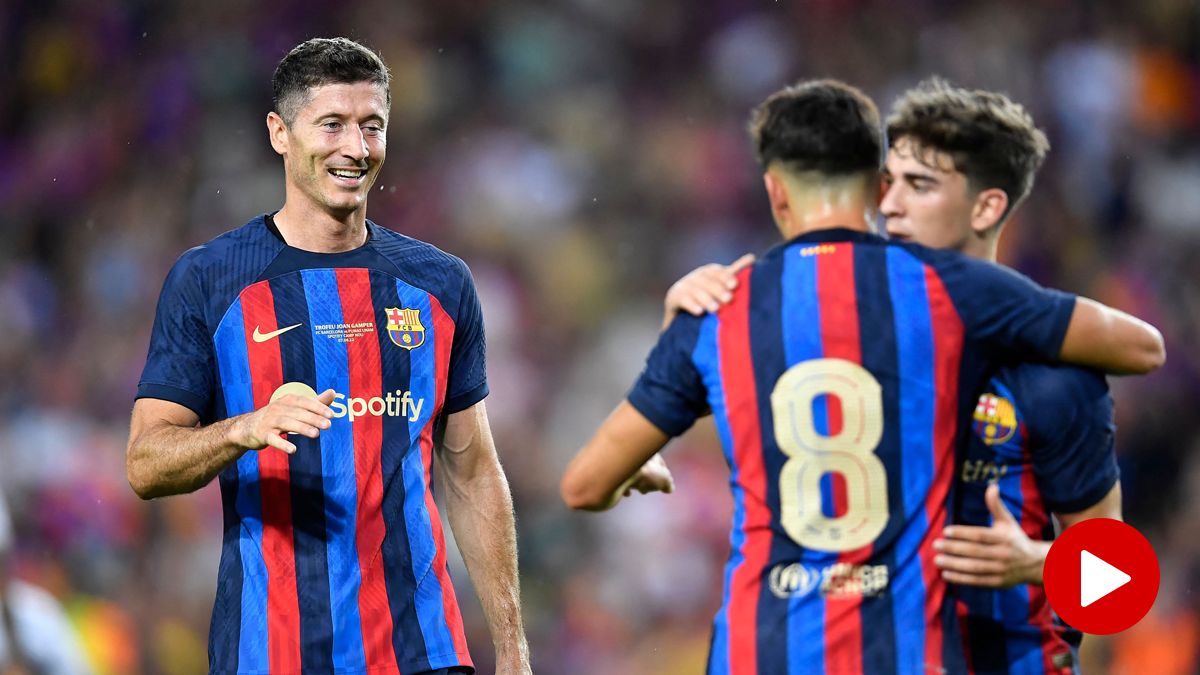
(324, 61)
(990, 138)
(826, 126)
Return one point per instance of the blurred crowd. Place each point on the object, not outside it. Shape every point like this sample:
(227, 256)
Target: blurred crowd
(579, 155)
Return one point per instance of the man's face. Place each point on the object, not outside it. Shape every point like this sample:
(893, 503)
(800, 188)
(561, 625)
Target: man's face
(925, 199)
(336, 145)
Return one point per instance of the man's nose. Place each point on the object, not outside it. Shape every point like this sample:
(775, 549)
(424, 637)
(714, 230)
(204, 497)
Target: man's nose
(355, 146)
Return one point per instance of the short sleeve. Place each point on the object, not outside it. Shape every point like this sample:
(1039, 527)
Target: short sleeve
(1070, 426)
(670, 391)
(180, 362)
(467, 383)
(1006, 310)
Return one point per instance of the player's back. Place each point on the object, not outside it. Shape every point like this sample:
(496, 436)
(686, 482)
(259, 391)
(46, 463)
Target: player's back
(839, 377)
(1043, 433)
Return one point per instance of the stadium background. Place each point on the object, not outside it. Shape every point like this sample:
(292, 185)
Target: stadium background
(580, 156)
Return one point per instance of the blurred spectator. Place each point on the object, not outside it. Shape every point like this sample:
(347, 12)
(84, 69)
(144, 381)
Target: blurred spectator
(579, 156)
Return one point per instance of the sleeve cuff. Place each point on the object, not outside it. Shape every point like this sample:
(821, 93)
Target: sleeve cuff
(1085, 501)
(671, 425)
(463, 401)
(194, 402)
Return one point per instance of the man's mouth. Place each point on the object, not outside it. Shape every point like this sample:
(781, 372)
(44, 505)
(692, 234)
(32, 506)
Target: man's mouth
(349, 176)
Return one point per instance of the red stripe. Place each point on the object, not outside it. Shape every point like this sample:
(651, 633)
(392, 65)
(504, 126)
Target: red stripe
(1033, 519)
(963, 612)
(741, 405)
(838, 300)
(947, 330)
(366, 375)
(443, 330)
(266, 373)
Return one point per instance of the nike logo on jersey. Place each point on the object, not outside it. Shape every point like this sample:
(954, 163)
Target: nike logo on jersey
(263, 337)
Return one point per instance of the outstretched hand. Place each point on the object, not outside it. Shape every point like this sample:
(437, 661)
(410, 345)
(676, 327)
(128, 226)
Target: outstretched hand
(1000, 556)
(704, 289)
(291, 414)
(654, 476)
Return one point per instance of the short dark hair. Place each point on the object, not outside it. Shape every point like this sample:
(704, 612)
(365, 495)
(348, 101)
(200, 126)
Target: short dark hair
(820, 125)
(324, 61)
(990, 138)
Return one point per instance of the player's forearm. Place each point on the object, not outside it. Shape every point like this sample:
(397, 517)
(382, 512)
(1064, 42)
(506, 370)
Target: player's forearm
(170, 460)
(480, 510)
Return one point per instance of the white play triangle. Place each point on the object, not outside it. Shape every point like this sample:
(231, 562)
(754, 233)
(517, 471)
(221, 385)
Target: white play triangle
(1097, 578)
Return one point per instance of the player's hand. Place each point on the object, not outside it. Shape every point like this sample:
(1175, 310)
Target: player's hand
(291, 414)
(654, 476)
(704, 289)
(1000, 556)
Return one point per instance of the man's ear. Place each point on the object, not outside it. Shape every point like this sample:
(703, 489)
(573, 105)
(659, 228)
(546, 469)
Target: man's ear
(988, 210)
(277, 131)
(777, 193)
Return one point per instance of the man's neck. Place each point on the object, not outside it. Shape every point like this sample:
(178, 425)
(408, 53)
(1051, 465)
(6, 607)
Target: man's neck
(317, 231)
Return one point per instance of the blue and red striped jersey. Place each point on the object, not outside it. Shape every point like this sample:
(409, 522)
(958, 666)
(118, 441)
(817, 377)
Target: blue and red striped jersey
(839, 378)
(334, 559)
(1045, 434)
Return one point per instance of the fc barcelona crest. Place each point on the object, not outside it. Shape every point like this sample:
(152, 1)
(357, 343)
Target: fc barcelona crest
(404, 327)
(995, 419)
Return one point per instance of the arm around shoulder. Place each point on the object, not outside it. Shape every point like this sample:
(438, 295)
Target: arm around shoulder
(1111, 340)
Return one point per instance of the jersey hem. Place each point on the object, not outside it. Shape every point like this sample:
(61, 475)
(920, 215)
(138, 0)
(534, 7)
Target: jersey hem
(416, 667)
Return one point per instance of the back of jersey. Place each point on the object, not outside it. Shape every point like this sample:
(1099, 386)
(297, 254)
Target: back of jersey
(838, 378)
(833, 382)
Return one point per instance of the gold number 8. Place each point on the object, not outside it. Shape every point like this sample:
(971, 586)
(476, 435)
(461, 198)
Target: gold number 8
(850, 452)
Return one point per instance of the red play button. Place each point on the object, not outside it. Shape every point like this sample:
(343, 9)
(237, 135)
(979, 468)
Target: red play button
(1101, 576)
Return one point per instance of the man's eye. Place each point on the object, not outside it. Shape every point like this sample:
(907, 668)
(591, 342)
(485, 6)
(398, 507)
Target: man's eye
(332, 126)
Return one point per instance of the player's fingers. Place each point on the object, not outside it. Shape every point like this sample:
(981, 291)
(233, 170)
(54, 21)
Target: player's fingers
(968, 549)
(981, 580)
(740, 263)
(313, 405)
(983, 535)
(968, 565)
(277, 441)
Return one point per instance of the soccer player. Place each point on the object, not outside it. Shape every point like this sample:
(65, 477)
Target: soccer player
(334, 558)
(837, 376)
(1041, 438)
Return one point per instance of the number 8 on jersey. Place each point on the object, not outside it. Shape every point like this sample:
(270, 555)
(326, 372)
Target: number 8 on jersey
(850, 451)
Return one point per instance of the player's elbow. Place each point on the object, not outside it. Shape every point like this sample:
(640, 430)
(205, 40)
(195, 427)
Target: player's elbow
(141, 478)
(579, 494)
(1154, 354)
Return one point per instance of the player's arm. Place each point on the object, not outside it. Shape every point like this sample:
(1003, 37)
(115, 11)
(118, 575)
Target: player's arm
(616, 460)
(1109, 507)
(1111, 340)
(479, 507)
(169, 454)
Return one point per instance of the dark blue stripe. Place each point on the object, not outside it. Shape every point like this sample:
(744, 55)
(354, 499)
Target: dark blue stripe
(306, 484)
(801, 331)
(429, 599)
(708, 364)
(338, 468)
(408, 639)
(878, 350)
(914, 344)
(233, 362)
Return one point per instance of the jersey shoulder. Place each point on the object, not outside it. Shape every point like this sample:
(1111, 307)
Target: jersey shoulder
(419, 262)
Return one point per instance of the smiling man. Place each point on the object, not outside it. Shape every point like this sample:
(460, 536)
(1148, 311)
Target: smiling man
(334, 558)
